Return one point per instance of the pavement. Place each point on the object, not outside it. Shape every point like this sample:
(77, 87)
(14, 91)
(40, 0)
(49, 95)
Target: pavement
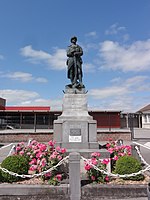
(140, 198)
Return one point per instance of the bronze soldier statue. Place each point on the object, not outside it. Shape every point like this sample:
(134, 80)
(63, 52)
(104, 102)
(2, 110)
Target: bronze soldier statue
(74, 63)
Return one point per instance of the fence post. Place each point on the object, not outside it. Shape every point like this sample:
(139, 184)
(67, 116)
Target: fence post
(74, 176)
(148, 191)
(134, 152)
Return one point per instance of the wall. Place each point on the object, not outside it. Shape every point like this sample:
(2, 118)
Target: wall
(11, 136)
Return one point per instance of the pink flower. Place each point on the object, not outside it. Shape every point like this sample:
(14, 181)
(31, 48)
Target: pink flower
(35, 147)
(115, 157)
(33, 142)
(43, 162)
(87, 167)
(59, 157)
(33, 161)
(59, 177)
(63, 150)
(93, 178)
(94, 161)
(111, 150)
(42, 147)
(21, 152)
(51, 143)
(18, 148)
(21, 143)
(105, 161)
(107, 145)
(48, 174)
(121, 154)
(128, 147)
(39, 169)
(95, 154)
(33, 167)
(53, 156)
(117, 148)
(107, 178)
(39, 155)
(58, 149)
(38, 161)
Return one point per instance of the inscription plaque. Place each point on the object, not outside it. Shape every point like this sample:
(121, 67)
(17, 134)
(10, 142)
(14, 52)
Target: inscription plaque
(75, 135)
(75, 132)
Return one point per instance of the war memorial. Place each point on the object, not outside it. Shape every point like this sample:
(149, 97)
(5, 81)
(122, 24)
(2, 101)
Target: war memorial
(75, 128)
(76, 131)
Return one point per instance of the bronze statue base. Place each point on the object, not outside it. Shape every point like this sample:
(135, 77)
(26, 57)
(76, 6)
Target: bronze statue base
(78, 89)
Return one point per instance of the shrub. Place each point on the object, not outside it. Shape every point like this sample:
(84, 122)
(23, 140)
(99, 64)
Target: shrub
(17, 164)
(129, 165)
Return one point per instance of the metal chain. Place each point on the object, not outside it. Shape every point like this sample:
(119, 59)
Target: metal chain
(142, 159)
(35, 175)
(116, 175)
(3, 147)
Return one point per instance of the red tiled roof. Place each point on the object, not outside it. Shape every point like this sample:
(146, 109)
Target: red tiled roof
(27, 108)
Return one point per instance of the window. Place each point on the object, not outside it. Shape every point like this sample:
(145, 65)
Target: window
(145, 118)
(148, 118)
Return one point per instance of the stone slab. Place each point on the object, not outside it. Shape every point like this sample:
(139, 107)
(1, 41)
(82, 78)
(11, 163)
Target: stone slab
(78, 145)
(75, 105)
(88, 192)
(87, 152)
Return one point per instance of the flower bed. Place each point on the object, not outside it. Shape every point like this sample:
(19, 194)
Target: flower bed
(97, 168)
(42, 157)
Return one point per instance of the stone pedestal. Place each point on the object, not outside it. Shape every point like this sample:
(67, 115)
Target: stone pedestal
(75, 128)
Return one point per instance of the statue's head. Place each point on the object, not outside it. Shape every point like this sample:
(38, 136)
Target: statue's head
(73, 39)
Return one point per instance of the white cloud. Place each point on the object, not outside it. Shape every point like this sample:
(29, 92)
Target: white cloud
(29, 98)
(57, 60)
(135, 81)
(108, 92)
(91, 34)
(17, 96)
(122, 94)
(114, 29)
(55, 104)
(23, 77)
(41, 80)
(116, 80)
(88, 67)
(134, 57)
(34, 54)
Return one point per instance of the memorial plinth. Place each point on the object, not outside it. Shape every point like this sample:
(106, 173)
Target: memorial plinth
(75, 128)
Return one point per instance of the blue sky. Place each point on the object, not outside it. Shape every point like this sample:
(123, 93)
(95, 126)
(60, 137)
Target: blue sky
(114, 35)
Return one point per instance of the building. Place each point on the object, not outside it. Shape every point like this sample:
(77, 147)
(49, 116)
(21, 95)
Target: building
(41, 118)
(145, 116)
(29, 117)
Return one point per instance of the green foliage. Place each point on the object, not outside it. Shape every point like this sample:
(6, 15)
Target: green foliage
(15, 163)
(1, 178)
(129, 165)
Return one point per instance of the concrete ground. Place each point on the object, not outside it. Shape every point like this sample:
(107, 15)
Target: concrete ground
(141, 198)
